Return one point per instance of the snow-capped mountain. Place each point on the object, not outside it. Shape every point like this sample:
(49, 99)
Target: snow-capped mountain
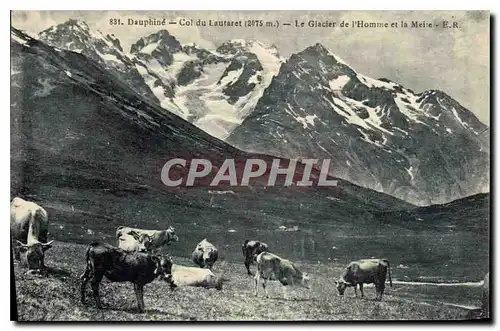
(76, 36)
(380, 134)
(213, 89)
(421, 147)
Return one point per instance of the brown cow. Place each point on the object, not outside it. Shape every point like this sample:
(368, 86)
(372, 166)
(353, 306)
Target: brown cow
(121, 266)
(365, 272)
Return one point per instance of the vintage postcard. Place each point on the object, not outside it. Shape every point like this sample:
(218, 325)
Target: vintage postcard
(250, 165)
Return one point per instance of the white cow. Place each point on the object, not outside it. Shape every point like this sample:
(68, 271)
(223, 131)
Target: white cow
(205, 254)
(273, 267)
(29, 227)
(133, 242)
(197, 277)
(158, 238)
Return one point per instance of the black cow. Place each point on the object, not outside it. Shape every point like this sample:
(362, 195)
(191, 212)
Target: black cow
(365, 272)
(252, 248)
(121, 266)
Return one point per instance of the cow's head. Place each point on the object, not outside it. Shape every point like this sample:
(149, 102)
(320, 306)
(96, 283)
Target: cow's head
(171, 236)
(305, 280)
(341, 285)
(144, 241)
(34, 254)
(208, 254)
(163, 268)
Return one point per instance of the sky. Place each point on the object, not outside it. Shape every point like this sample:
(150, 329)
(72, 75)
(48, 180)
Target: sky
(454, 60)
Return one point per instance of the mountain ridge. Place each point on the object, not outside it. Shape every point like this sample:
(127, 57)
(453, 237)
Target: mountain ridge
(222, 90)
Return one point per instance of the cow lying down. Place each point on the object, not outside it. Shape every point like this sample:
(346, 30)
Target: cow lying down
(194, 276)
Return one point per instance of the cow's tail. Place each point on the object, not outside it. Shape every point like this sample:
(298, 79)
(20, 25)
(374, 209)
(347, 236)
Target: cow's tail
(39, 215)
(39, 218)
(388, 270)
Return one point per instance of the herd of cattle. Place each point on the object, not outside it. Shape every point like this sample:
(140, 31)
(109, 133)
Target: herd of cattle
(137, 259)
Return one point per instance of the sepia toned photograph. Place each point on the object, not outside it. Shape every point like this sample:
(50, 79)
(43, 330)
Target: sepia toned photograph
(250, 166)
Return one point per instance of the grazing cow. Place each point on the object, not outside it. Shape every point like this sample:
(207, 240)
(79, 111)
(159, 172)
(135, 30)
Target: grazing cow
(193, 276)
(205, 254)
(121, 266)
(365, 272)
(29, 223)
(158, 238)
(485, 298)
(273, 267)
(133, 242)
(252, 248)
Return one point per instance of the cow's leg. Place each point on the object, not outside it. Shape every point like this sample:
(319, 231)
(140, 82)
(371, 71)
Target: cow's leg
(256, 279)
(42, 262)
(16, 251)
(381, 291)
(361, 290)
(247, 265)
(377, 290)
(356, 290)
(264, 286)
(94, 283)
(85, 279)
(285, 292)
(139, 293)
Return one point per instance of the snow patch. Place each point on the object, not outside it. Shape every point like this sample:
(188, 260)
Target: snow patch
(231, 77)
(68, 73)
(408, 112)
(370, 82)
(150, 48)
(339, 82)
(108, 57)
(458, 117)
(47, 87)
(19, 40)
(306, 121)
(410, 172)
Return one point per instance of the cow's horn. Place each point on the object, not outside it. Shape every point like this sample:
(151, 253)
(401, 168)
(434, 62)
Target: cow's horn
(48, 243)
(22, 244)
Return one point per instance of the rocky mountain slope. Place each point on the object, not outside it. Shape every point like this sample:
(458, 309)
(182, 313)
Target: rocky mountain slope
(213, 89)
(424, 148)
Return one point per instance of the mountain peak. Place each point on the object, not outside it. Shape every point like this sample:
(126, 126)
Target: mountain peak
(234, 46)
(319, 51)
(154, 40)
(73, 26)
